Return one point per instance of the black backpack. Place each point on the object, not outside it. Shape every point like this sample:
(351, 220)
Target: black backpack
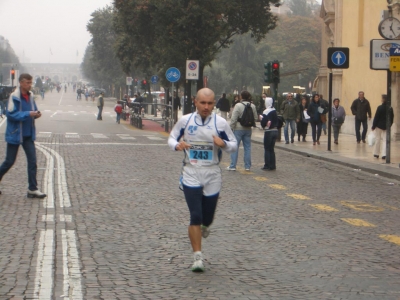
(281, 122)
(247, 118)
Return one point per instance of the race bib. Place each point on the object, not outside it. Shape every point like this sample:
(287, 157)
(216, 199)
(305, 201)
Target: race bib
(201, 153)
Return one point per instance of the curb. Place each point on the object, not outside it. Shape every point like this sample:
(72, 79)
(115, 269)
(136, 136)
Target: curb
(347, 162)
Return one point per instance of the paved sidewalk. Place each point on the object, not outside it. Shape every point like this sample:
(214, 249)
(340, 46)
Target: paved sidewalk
(347, 153)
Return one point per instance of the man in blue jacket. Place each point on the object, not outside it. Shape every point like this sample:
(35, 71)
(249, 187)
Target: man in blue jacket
(21, 114)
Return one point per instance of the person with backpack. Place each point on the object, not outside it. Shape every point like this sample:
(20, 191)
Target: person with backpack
(244, 117)
(290, 111)
(118, 109)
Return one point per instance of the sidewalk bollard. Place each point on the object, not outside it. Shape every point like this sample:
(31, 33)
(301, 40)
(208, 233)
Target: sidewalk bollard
(166, 126)
(140, 122)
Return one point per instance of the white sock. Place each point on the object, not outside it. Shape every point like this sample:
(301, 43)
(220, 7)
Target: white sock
(197, 253)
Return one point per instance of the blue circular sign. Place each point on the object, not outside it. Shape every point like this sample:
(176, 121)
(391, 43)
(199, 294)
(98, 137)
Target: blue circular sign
(154, 79)
(192, 66)
(173, 74)
(338, 58)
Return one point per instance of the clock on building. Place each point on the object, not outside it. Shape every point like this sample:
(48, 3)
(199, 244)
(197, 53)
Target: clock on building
(389, 28)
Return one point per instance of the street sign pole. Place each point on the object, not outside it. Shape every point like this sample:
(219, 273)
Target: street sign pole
(388, 121)
(338, 58)
(330, 112)
(172, 102)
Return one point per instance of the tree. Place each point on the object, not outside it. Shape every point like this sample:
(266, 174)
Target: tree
(300, 8)
(160, 34)
(100, 63)
(295, 43)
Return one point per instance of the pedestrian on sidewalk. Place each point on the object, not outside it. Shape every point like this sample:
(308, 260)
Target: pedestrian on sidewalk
(201, 135)
(302, 125)
(379, 126)
(360, 109)
(100, 105)
(242, 133)
(21, 114)
(338, 117)
(234, 102)
(291, 113)
(323, 116)
(269, 122)
(224, 106)
(315, 110)
(118, 109)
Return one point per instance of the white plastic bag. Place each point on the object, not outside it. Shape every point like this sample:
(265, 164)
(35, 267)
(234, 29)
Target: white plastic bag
(371, 138)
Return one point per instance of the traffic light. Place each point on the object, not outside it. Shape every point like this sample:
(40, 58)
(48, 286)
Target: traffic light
(144, 84)
(267, 72)
(12, 74)
(275, 71)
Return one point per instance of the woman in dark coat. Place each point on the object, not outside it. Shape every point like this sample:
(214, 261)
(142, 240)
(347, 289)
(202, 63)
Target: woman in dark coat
(379, 125)
(315, 110)
(302, 125)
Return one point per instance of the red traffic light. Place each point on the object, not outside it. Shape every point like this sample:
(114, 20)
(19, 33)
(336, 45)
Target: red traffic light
(144, 82)
(13, 72)
(275, 66)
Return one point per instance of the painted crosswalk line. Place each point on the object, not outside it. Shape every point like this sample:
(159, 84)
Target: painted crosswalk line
(277, 186)
(391, 238)
(324, 207)
(298, 197)
(361, 206)
(358, 222)
(99, 136)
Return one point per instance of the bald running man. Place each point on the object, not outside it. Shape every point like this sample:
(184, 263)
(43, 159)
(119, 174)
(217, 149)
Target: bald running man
(201, 135)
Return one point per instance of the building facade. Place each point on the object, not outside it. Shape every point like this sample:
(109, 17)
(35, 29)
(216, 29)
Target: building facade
(353, 24)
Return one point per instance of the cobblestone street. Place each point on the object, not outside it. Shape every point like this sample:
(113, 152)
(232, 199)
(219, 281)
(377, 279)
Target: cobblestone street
(116, 227)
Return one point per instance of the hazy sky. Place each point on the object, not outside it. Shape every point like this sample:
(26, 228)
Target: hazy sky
(34, 27)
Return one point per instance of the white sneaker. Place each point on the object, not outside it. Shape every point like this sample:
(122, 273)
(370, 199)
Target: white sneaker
(35, 194)
(231, 169)
(198, 265)
(247, 169)
(205, 231)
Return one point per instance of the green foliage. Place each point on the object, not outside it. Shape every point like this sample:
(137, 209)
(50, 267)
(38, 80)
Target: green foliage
(100, 63)
(158, 34)
(295, 43)
(300, 8)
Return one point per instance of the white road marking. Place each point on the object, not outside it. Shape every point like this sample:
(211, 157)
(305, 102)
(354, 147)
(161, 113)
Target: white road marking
(61, 178)
(48, 183)
(44, 134)
(48, 218)
(71, 135)
(44, 266)
(62, 94)
(155, 138)
(65, 218)
(99, 136)
(53, 115)
(71, 268)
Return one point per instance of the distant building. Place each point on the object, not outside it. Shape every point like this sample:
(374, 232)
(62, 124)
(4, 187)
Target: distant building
(3, 43)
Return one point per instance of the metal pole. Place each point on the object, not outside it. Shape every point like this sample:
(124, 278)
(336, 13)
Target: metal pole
(330, 112)
(172, 102)
(388, 121)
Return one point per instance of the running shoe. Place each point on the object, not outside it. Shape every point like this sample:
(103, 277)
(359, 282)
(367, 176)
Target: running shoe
(198, 265)
(231, 169)
(205, 231)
